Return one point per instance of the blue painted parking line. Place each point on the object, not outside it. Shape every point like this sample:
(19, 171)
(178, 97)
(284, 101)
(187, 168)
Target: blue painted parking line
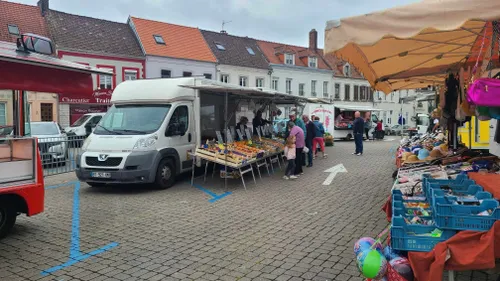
(215, 197)
(75, 255)
(60, 185)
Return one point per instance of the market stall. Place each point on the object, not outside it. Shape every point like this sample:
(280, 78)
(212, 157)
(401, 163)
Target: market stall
(238, 150)
(437, 211)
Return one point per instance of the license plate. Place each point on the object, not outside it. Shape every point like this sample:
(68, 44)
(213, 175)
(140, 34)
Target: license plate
(100, 175)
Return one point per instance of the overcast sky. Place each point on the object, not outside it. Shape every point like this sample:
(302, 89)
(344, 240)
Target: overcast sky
(284, 21)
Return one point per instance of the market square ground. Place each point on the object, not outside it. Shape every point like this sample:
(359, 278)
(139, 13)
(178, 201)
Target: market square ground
(277, 230)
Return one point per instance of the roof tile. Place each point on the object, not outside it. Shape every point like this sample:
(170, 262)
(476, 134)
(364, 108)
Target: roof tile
(180, 41)
(79, 33)
(235, 52)
(273, 50)
(27, 18)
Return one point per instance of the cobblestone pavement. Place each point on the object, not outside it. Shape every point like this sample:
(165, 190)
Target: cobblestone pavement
(277, 230)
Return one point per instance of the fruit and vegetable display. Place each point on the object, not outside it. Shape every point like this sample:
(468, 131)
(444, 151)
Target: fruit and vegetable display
(239, 152)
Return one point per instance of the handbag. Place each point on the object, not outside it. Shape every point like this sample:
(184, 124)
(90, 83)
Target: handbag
(485, 92)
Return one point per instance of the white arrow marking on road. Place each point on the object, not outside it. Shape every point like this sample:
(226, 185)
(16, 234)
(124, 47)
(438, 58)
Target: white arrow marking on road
(333, 172)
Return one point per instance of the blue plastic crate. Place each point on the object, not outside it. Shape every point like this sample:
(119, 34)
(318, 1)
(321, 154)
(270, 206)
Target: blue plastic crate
(473, 190)
(426, 180)
(405, 237)
(455, 186)
(443, 204)
(464, 217)
(397, 195)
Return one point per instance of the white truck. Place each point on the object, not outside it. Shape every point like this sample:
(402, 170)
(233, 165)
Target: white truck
(84, 125)
(153, 126)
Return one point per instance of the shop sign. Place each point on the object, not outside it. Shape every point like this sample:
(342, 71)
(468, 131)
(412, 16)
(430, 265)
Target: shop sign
(97, 97)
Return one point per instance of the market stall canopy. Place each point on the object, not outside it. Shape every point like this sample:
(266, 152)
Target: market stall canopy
(251, 92)
(42, 73)
(414, 46)
(356, 108)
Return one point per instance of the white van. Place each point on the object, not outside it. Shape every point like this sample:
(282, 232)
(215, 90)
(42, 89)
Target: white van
(84, 125)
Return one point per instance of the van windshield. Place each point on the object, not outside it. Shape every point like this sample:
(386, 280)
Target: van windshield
(132, 119)
(80, 121)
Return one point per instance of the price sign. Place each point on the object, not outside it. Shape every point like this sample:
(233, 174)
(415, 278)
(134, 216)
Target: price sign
(229, 137)
(242, 130)
(249, 134)
(219, 137)
(258, 133)
(240, 135)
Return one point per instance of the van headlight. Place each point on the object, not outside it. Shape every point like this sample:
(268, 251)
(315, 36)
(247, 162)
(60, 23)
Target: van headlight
(86, 143)
(145, 143)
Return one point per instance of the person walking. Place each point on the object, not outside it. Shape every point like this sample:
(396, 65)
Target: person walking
(368, 125)
(309, 136)
(358, 128)
(296, 131)
(290, 154)
(319, 137)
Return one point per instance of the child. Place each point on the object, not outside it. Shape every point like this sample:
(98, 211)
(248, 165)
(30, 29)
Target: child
(290, 157)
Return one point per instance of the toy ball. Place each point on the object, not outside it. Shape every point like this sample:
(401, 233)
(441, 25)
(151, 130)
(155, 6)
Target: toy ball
(389, 253)
(363, 244)
(401, 266)
(372, 264)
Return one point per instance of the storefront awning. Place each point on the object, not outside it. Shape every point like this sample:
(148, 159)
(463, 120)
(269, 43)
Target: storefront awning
(42, 73)
(413, 46)
(356, 108)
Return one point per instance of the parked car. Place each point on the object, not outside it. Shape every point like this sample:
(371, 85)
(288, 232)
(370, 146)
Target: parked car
(396, 129)
(6, 131)
(52, 142)
(84, 125)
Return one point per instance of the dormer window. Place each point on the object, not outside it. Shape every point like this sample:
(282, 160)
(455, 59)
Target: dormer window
(159, 39)
(250, 51)
(13, 29)
(290, 59)
(220, 46)
(313, 62)
(347, 70)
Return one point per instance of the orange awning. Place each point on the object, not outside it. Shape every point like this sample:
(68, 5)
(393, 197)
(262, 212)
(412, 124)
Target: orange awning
(413, 46)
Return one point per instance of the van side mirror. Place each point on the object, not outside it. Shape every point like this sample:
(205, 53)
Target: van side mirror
(35, 43)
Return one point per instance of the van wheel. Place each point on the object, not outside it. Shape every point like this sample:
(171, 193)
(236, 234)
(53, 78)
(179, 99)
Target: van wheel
(8, 217)
(165, 175)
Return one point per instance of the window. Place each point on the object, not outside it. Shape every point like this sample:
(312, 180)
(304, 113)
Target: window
(313, 88)
(347, 70)
(370, 93)
(325, 89)
(250, 51)
(13, 29)
(243, 81)
(207, 75)
(3, 113)
(94, 121)
(187, 74)
(130, 75)
(179, 122)
(392, 96)
(47, 112)
(105, 81)
(288, 86)
(159, 39)
(301, 89)
(274, 83)
(356, 92)
(220, 46)
(224, 78)
(337, 91)
(166, 73)
(259, 82)
(290, 59)
(347, 94)
(313, 62)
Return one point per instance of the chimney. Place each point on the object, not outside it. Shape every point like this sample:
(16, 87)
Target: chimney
(43, 5)
(313, 39)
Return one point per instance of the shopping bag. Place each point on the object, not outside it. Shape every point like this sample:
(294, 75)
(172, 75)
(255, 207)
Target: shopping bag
(306, 150)
(485, 92)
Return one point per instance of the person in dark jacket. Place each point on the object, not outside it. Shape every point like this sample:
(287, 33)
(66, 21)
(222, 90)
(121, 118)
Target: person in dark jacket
(243, 123)
(258, 121)
(310, 134)
(358, 129)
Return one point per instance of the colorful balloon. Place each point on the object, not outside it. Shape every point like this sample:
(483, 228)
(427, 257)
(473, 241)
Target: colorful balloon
(363, 244)
(372, 264)
(401, 266)
(389, 253)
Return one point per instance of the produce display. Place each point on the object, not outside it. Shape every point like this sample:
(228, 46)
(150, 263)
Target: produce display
(239, 152)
